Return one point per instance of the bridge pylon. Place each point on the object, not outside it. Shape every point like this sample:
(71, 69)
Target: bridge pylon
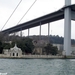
(67, 28)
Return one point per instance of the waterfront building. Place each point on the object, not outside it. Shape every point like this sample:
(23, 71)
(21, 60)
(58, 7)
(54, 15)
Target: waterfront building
(61, 50)
(73, 50)
(6, 51)
(59, 46)
(13, 52)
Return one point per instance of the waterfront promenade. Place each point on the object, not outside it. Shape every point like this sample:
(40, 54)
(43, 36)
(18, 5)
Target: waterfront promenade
(36, 57)
(32, 56)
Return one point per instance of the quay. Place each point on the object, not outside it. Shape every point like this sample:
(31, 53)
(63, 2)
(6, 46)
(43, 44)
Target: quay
(37, 57)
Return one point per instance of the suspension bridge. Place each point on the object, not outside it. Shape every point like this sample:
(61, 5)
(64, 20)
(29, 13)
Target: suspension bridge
(67, 13)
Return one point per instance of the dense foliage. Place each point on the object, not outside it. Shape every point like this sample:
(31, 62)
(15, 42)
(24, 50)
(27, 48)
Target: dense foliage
(1, 47)
(25, 44)
(6, 45)
(50, 49)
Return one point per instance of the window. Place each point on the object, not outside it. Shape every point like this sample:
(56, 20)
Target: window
(10, 54)
(17, 54)
(13, 54)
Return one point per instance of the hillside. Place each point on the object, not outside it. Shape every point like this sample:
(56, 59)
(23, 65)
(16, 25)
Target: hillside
(53, 39)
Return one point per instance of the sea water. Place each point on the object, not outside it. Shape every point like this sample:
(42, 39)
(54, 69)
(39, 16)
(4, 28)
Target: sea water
(37, 66)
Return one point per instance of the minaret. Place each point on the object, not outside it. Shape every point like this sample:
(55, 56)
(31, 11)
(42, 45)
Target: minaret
(67, 28)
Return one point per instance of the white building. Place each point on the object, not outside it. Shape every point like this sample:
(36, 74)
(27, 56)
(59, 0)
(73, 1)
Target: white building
(73, 50)
(13, 52)
(61, 48)
(6, 51)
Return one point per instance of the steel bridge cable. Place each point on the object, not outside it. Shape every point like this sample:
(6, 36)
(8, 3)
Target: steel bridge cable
(26, 12)
(11, 15)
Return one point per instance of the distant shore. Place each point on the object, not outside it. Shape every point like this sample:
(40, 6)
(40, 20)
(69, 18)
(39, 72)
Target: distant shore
(37, 57)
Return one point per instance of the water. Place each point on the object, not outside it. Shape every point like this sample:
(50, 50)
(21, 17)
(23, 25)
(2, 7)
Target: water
(37, 66)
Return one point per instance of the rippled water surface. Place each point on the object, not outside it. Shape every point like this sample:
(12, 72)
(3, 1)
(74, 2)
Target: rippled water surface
(37, 66)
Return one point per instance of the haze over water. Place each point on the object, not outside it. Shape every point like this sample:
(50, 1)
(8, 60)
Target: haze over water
(37, 66)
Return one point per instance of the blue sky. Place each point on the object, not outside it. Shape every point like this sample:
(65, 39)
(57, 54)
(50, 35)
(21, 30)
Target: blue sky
(40, 8)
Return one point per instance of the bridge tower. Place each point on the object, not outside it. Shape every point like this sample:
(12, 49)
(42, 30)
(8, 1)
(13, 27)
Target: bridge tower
(67, 28)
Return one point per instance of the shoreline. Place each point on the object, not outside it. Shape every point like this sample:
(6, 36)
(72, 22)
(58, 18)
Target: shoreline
(37, 57)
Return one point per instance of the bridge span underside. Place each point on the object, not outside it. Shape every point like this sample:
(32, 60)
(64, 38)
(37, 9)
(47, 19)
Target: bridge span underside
(36, 22)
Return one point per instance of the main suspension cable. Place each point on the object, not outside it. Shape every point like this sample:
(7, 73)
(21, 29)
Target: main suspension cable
(26, 12)
(11, 15)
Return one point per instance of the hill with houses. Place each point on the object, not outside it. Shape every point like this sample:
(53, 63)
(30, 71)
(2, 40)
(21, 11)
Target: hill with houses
(56, 39)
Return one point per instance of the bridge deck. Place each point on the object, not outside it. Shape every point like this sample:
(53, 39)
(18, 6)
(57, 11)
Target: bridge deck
(57, 15)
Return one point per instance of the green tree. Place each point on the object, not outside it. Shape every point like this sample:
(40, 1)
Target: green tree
(1, 47)
(50, 49)
(6, 45)
(25, 44)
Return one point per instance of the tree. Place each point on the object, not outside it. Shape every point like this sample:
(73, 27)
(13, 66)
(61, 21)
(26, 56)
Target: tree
(1, 36)
(1, 47)
(6, 45)
(50, 49)
(25, 44)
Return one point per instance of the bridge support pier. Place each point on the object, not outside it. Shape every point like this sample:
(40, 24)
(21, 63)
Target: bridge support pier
(48, 32)
(28, 32)
(40, 32)
(67, 29)
(21, 33)
(14, 33)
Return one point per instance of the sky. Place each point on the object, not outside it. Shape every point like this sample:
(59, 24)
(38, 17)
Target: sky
(40, 8)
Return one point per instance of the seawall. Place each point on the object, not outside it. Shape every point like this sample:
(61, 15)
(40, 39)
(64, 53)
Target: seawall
(36, 57)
